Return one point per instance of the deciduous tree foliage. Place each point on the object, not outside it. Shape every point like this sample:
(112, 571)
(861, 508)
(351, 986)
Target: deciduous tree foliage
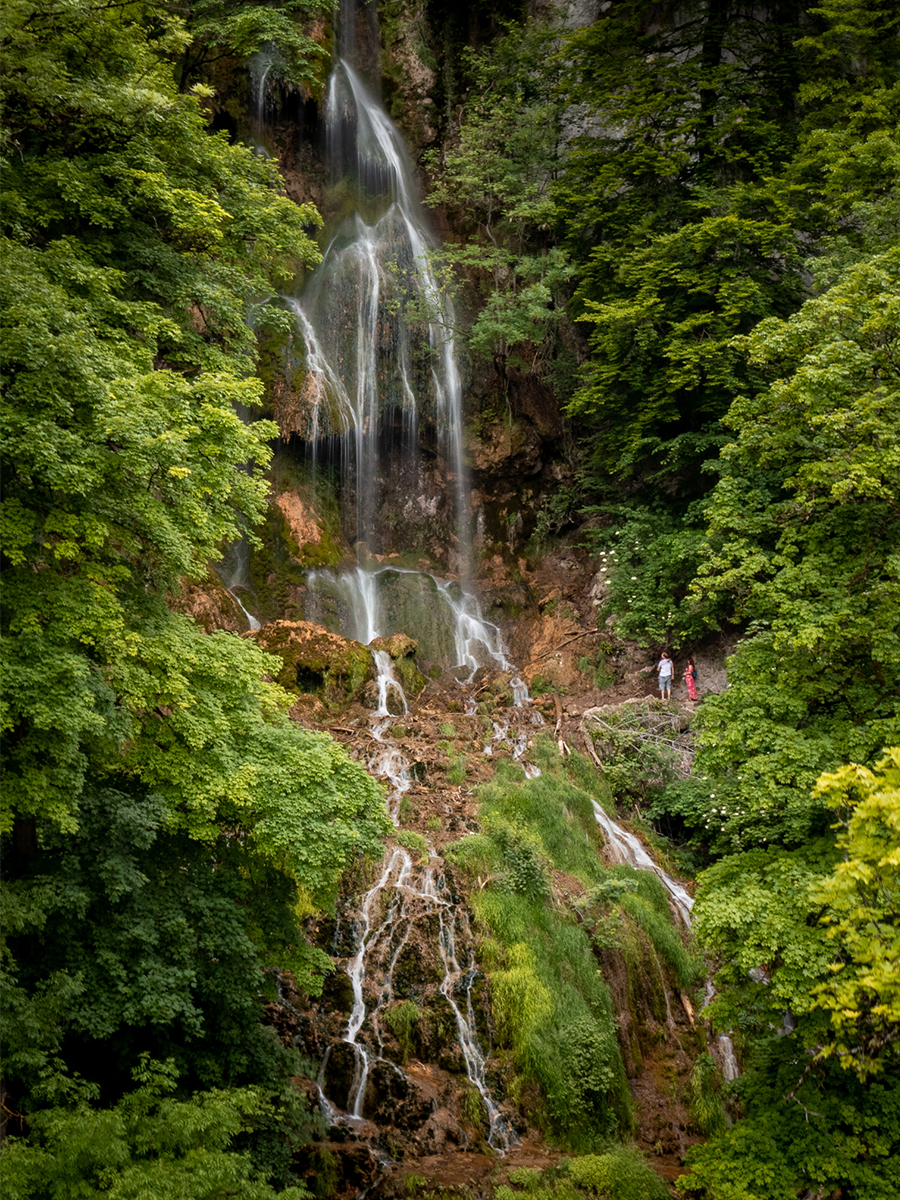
(166, 825)
(684, 110)
(862, 915)
(495, 174)
(226, 28)
(805, 536)
(805, 944)
(148, 1146)
(733, 197)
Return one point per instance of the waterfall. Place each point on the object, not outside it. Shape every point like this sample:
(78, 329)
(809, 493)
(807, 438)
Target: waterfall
(401, 894)
(441, 614)
(234, 571)
(382, 407)
(380, 356)
(626, 848)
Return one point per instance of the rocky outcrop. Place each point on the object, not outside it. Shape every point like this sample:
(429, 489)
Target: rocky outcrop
(402, 652)
(211, 605)
(306, 530)
(330, 669)
(409, 70)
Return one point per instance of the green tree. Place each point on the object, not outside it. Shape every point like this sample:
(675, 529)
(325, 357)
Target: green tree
(239, 28)
(862, 902)
(135, 244)
(495, 175)
(165, 825)
(149, 1145)
(804, 537)
(805, 946)
(679, 116)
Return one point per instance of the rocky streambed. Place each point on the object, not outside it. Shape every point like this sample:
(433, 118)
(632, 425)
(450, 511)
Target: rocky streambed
(406, 1065)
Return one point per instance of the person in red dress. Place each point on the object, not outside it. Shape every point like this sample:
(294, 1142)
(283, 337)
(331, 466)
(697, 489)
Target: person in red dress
(690, 678)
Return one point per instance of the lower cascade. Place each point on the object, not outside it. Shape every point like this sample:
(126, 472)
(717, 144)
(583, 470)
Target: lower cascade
(410, 899)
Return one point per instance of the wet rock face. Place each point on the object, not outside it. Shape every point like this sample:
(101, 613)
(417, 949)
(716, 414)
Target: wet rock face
(402, 652)
(408, 67)
(211, 605)
(332, 669)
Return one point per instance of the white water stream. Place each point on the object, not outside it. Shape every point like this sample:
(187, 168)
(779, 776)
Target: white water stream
(405, 892)
(628, 849)
(235, 575)
(364, 360)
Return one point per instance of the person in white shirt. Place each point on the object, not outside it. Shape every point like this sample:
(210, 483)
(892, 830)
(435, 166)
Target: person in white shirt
(666, 669)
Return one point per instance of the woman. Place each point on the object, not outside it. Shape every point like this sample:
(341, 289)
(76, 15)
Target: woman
(665, 667)
(690, 678)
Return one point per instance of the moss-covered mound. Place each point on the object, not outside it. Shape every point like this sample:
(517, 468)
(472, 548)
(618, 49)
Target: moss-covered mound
(402, 652)
(317, 663)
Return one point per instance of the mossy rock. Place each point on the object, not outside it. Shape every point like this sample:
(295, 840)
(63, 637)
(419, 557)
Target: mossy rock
(402, 652)
(211, 605)
(318, 663)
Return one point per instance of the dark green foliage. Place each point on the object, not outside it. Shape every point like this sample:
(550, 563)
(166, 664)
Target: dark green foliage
(158, 943)
(819, 1126)
(495, 174)
(165, 825)
(649, 557)
(683, 250)
(149, 1145)
(239, 28)
(804, 532)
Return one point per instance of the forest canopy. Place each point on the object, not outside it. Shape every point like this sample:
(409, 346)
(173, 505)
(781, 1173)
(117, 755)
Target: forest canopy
(166, 827)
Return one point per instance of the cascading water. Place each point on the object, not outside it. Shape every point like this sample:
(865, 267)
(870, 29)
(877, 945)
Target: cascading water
(407, 891)
(234, 572)
(403, 894)
(626, 848)
(382, 399)
(378, 333)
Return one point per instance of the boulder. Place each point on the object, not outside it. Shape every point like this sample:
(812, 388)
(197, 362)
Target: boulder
(333, 669)
(211, 605)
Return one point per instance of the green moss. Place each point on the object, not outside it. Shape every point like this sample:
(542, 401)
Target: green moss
(402, 653)
(553, 1012)
(457, 773)
(403, 1021)
(315, 662)
(619, 1174)
(414, 842)
(278, 368)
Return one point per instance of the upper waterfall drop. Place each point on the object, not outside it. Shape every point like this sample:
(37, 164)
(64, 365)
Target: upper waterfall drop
(383, 393)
